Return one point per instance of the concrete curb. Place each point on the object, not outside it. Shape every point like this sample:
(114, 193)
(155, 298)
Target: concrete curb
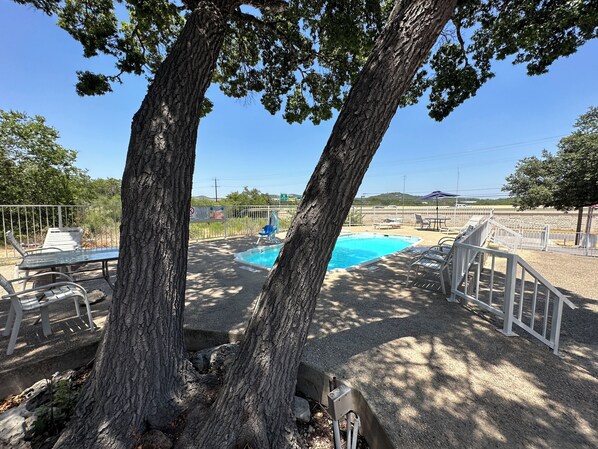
(310, 381)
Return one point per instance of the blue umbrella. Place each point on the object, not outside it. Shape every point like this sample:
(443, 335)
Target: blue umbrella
(438, 194)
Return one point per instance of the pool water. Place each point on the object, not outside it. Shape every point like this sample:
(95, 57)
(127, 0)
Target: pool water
(349, 251)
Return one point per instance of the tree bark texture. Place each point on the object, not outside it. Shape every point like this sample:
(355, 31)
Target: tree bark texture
(139, 371)
(253, 407)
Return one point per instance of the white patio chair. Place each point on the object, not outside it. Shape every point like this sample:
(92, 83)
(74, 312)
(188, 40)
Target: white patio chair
(421, 223)
(39, 299)
(437, 259)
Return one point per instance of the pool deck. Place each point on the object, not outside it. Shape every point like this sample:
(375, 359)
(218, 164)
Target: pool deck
(435, 374)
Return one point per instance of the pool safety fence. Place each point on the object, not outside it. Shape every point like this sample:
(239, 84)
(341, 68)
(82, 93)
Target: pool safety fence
(101, 224)
(545, 230)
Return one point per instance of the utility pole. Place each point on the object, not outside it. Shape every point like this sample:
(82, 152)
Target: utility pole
(216, 188)
(457, 197)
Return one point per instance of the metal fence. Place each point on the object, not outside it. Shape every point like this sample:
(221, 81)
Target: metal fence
(101, 224)
(371, 215)
(29, 224)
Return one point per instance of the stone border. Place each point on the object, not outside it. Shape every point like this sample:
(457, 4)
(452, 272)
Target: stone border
(310, 381)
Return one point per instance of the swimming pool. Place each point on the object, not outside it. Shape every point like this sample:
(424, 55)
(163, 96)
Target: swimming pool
(350, 251)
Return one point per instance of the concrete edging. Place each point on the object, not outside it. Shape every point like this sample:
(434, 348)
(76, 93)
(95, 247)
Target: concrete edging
(310, 381)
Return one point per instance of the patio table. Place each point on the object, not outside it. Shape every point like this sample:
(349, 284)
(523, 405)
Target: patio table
(438, 222)
(58, 259)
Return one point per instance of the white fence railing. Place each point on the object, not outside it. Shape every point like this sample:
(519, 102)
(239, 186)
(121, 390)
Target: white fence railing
(505, 237)
(101, 224)
(463, 260)
(545, 238)
(508, 287)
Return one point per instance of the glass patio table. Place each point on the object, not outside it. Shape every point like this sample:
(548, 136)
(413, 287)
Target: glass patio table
(438, 222)
(59, 259)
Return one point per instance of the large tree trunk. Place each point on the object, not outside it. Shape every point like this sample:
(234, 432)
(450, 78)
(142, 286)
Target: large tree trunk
(140, 368)
(253, 406)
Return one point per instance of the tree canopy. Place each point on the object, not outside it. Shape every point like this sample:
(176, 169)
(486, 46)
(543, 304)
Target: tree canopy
(34, 167)
(565, 180)
(301, 56)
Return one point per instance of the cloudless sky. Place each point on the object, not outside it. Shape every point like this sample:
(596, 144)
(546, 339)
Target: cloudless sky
(240, 144)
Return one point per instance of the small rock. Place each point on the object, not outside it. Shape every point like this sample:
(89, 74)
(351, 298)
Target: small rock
(12, 428)
(94, 297)
(154, 439)
(200, 361)
(222, 356)
(68, 375)
(34, 391)
(301, 410)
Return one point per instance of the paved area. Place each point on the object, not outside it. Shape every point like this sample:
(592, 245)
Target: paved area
(436, 374)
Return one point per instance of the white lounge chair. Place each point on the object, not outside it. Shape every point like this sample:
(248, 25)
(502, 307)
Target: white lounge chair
(38, 299)
(66, 239)
(390, 223)
(437, 259)
(471, 223)
(10, 238)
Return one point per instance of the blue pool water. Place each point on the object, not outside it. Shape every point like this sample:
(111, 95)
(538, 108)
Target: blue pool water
(349, 251)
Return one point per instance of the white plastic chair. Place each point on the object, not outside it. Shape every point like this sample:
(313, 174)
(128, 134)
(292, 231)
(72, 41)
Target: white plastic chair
(38, 299)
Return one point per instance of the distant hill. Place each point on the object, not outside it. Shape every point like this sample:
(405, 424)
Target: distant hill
(202, 200)
(389, 199)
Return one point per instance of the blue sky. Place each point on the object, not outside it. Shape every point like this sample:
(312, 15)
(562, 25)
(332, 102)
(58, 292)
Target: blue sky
(240, 144)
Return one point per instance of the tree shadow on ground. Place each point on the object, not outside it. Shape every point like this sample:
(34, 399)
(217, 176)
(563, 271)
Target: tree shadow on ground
(434, 373)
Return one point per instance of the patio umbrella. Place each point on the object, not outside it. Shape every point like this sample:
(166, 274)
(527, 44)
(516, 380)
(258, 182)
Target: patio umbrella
(438, 194)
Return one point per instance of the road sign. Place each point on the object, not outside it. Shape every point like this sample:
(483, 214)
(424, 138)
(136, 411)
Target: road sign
(284, 197)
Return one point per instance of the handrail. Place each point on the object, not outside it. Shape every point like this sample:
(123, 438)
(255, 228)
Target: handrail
(518, 237)
(545, 282)
(513, 288)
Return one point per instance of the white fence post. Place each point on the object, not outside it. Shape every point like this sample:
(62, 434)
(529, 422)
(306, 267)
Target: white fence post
(546, 237)
(457, 268)
(509, 299)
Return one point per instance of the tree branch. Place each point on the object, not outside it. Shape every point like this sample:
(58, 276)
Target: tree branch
(271, 28)
(457, 24)
(269, 5)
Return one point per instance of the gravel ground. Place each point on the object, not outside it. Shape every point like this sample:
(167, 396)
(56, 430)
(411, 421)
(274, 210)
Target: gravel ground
(436, 374)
